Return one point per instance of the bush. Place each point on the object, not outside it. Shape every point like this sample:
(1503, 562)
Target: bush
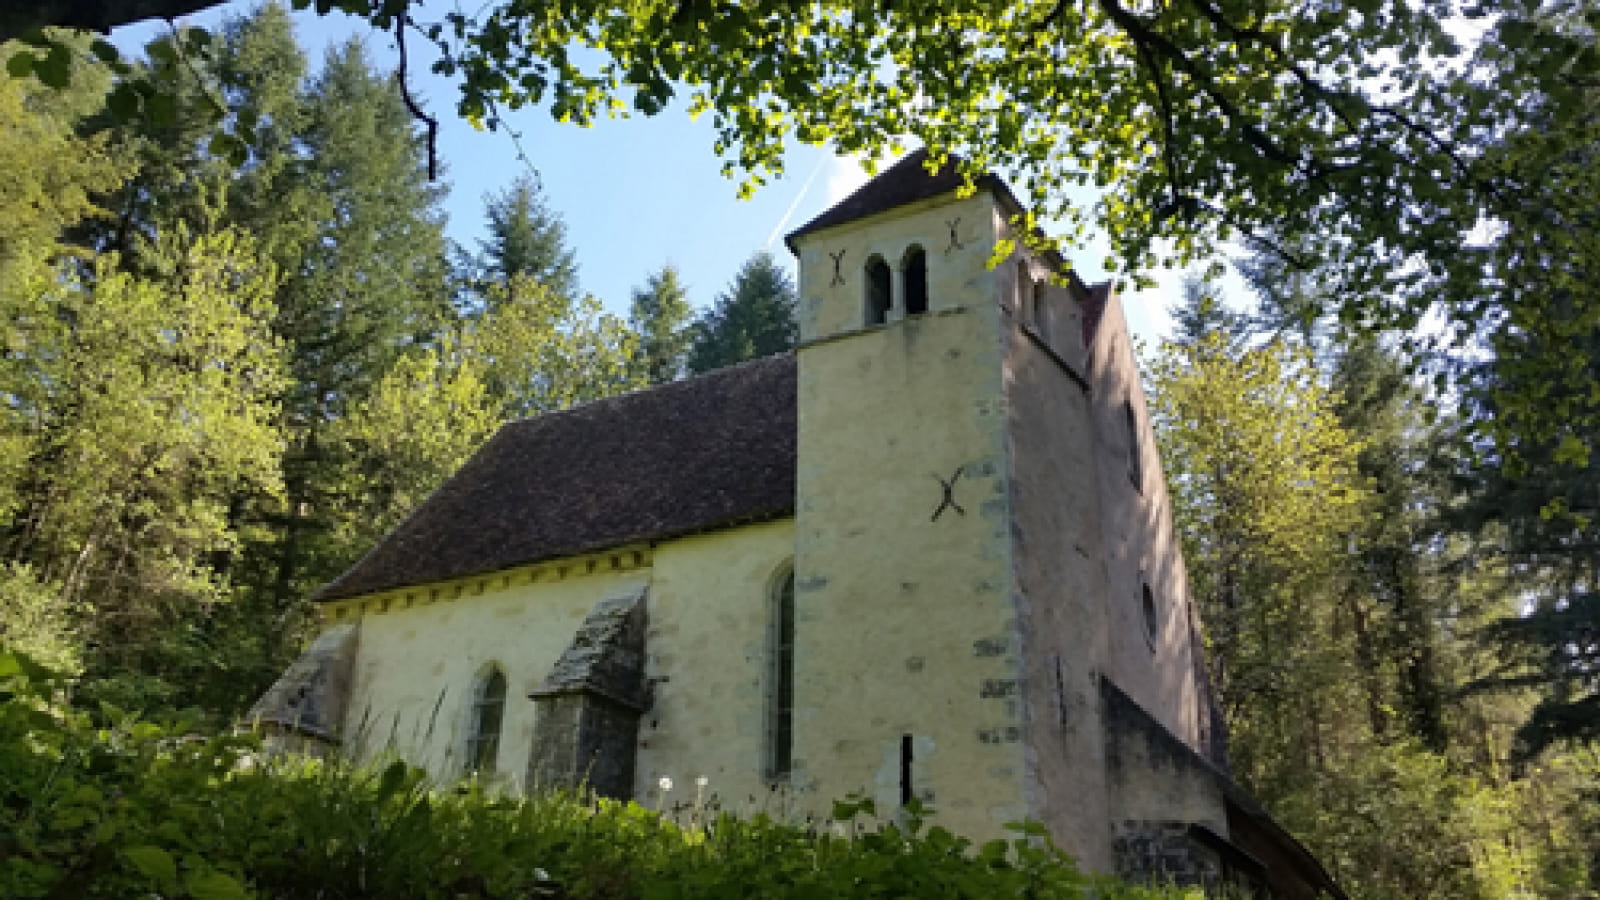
(107, 806)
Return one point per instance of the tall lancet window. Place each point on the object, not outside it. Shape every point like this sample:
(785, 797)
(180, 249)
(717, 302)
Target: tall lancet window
(878, 291)
(1135, 452)
(916, 275)
(488, 711)
(780, 697)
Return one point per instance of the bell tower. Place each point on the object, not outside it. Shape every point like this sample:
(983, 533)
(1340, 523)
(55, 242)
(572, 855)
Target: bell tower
(990, 609)
(912, 661)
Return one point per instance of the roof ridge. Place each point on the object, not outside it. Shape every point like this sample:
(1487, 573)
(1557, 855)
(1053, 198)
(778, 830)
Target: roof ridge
(649, 389)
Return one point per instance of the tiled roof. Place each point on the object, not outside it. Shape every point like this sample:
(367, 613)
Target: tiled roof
(684, 457)
(907, 181)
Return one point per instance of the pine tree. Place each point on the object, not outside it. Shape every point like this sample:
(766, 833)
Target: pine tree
(526, 239)
(660, 315)
(371, 284)
(754, 318)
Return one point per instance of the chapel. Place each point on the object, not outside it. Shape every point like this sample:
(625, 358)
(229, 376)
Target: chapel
(928, 555)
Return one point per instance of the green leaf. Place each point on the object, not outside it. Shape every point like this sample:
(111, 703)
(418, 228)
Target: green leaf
(227, 147)
(215, 886)
(155, 864)
(55, 70)
(1572, 451)
(161, 51)
(393, 779)
(105, 51)
(124, 102)
(162, 110)
(20, 65)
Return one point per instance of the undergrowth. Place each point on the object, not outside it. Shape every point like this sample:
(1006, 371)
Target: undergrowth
(102, 805)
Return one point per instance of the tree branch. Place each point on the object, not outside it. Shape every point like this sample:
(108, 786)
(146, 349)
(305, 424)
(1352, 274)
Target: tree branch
(400, 24)
(1136, 29)
(18, 19)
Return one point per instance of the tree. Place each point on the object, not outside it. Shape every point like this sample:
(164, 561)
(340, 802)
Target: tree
(1199, 119)
(531, 351)
(526, 239)
(57, 167)
(753, 318)
(151, 403)
(1531, 502)
(365, 279)
(660, 314)
(540, 351)
(337, 199)
(422, 420)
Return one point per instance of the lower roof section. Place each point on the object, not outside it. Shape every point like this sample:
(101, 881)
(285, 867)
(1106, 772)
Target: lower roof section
(680, 458)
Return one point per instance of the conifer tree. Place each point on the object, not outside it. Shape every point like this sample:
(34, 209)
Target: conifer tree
(526, 239)
(660, 315)
(371, 283)
(755, 317)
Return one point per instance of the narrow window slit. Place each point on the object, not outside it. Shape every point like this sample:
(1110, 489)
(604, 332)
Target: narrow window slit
(906, 792)
(780, 724)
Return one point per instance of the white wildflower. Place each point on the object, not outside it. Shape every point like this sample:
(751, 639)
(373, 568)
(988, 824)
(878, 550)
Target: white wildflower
(665, 783)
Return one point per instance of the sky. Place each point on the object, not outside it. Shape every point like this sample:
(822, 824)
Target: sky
(635, 193)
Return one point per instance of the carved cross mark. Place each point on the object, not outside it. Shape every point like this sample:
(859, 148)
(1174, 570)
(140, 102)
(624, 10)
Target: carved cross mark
(838, 277)
(949, 501)
(955, 241)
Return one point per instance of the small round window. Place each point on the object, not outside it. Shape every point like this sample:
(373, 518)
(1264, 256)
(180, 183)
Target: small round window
(1152, 619)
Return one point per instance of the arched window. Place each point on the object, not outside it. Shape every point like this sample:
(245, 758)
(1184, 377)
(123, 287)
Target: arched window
(1041, 310)
(878, 291)
(780, 697)
(915, 266)
(488, 711)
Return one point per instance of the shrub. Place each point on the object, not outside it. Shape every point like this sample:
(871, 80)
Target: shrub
(107, 806)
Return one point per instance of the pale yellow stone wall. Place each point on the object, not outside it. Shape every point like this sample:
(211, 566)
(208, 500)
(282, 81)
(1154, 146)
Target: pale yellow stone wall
(423, 649)
(710, 610)
(905, 622)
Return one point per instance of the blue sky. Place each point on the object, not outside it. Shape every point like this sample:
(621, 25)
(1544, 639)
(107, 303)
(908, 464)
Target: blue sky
(636, 193)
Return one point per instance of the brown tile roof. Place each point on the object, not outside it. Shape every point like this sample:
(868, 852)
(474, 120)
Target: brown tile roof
(684, 457)
(907, 181)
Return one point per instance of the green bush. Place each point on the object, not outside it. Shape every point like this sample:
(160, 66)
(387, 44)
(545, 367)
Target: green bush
(104, 806)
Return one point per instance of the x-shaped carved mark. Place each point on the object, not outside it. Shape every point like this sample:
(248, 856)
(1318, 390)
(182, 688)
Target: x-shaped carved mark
(838, 277)
(949, 501)
(955, 242)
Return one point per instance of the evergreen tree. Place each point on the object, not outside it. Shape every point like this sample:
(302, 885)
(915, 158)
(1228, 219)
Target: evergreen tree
(1393, 588)
(57, 167)
(754, 318)
(371, 284)
(660, 315)
(336, 195)
(526, 239)
(1531, 501)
